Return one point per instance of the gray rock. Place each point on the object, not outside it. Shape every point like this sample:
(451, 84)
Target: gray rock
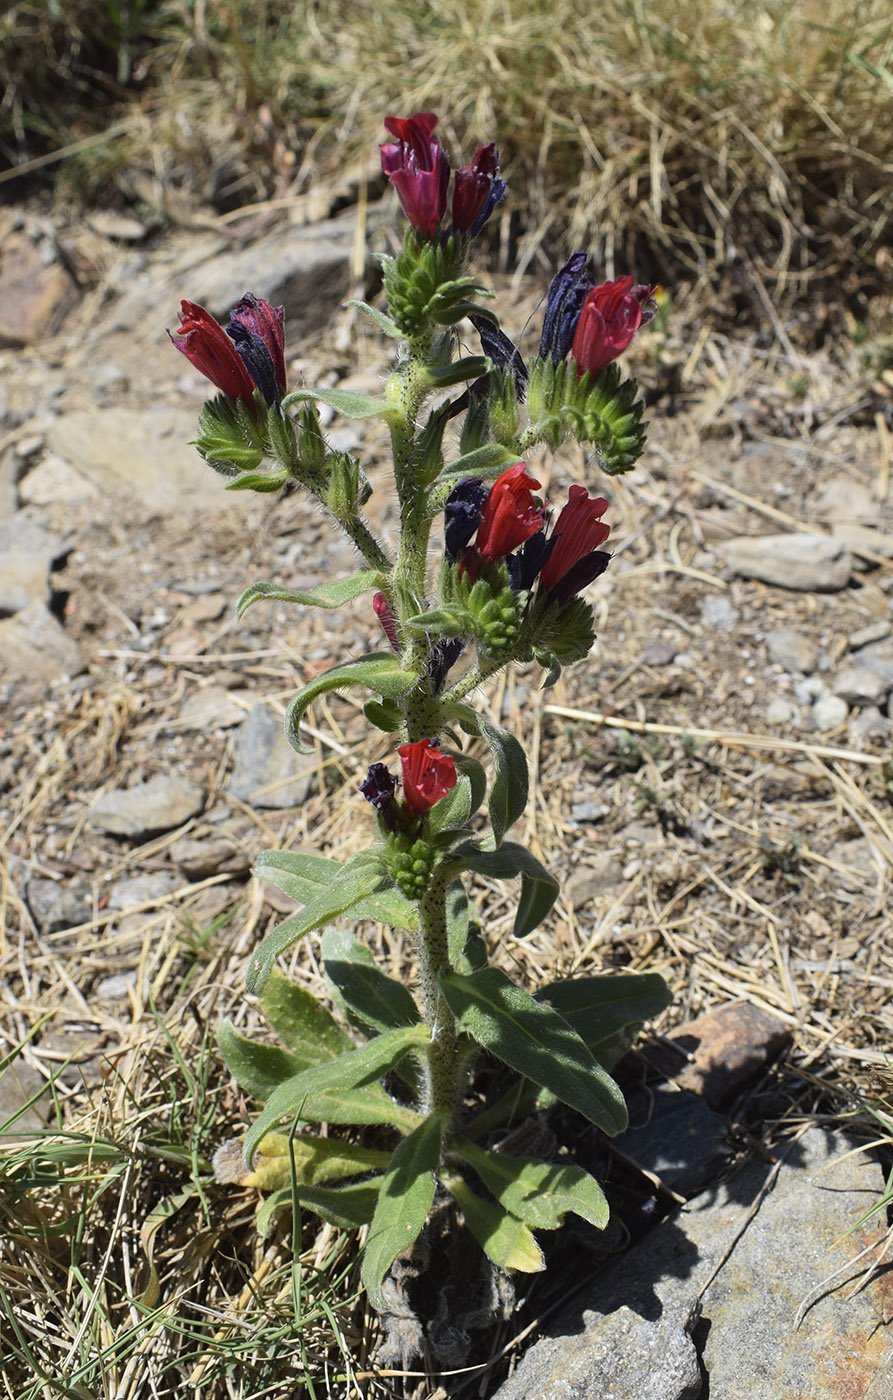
(199, 858)
(148, 809)
(54, 480)
(781, 711)
(719, 612)
(872, 632)
(215, 707)
(810, 689)
(141, 889)
(867, 723)
(878, 657)
(845, 499)
(771, 1268)
(829, 712)
(805, 563)
(859, 685)
(589, 811)
(659, 652)
(34, 647)
(20, 1083)
(55, 906)
(24, 579)
(587, 881)
(675, 1135)
(117, 987)
(24, 536)
(792, 651)
(268, 773)
(862, 540)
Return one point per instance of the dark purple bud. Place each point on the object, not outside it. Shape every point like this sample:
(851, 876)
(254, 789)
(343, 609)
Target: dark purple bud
(444, 655)
(260, 318)
(379, 789)
(477, 190)
(564, 302)
(462, 514)
(498, 348)
(257, 360)
(525, 564)
(590, 567)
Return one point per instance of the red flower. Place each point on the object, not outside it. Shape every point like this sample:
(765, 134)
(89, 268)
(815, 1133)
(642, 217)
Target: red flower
(477, 190)
(428, 775)
(419, 169)
(511, 514)
(610, 317)
(207, 346)
(574, 557)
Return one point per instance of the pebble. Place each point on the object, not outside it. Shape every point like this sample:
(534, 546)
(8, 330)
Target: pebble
(715, 1054)
(587, 881)
(199, 858)
(859, 685)
(268, 772)
(719, 612)
(34, 645)
(782, 711)
(845, 499)
(214, 707)
(861, 539)
(829, 712)
(804, 563)
(872, 632)
(117, 987)
(54, 479)
(867, 723)
(792, 651)
(55, 907)
(809, 689)
(141, 889)
(148, 809)
(878, 657)
(659, 652)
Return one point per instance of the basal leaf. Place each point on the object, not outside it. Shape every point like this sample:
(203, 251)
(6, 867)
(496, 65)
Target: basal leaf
(608, 1011)
(503, 1237)
(404, 1201)
(347, 1207)
(326, 595)
(539, 1193)
(311, 1160)
(368, 995)
(304, 1095)
(509, 1023)
(257, 1068)
(379, 671)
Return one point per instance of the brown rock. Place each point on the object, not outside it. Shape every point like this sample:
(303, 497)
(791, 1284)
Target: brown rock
(718, 1052)
(34, 298)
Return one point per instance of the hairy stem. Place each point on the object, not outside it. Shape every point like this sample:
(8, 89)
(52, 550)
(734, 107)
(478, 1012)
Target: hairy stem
(441, 1087)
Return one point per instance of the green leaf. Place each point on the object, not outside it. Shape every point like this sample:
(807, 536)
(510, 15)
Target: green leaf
(383, 322)
(510, 786)
(304, 876)
(257, 1068)
(368, 995)
(551, 665)
(347, 1207)
(404, 1201)
(503, 1238)
(384, 714)
(474, 771)
(302, 1023)
(258, 481)
(310, 1160)
(344, 401)
(327, 595)
(452, 811)
(310, 1095)
(486, 462)
(539, 1193)
(607, 1012)
(535, 1041)
(460, 371)
(457, 915)
(539, 889)
(379, 671)
(350, 885)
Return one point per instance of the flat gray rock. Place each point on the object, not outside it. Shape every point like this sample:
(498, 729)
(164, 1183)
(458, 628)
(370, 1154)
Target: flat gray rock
(148, 809)
(805, 563)
(268, 772)
(55, 906)
(767, 1260)
(792, 651)
(675, 1135)
(860, 685)
(215, 707)
(878, 657)
(34, 647)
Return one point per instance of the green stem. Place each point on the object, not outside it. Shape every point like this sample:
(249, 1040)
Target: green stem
(441, 1087)
(471, 680)
(359, 532)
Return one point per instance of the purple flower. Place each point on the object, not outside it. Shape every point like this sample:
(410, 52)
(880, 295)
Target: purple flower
(477, 190)
(205, 345)
(256, 329)
(462, 514)
(419, 169)
(379, 789)
(564, 301)
(609, 318)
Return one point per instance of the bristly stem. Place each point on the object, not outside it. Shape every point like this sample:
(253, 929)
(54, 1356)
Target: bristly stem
(441, 1088)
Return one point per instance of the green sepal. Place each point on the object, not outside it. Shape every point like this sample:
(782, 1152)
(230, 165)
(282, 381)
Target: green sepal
(326, 595)
(405, 1198)
(311, 1094)
(607, 412)
(539, 888)
(379, 671)
(263, 482)
(607, 1012)
(502, 1236)
(346, 1207)
(383, 322)
(439, 622)
(344, 401)
(535, 1041)
(350, 885)
(565, 632)
(550, 664)
(303, 877)
(229, 438)
(366, 995)
(539, 1193)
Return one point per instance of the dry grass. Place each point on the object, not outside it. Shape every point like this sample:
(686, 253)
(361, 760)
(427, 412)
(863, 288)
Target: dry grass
(676, 139)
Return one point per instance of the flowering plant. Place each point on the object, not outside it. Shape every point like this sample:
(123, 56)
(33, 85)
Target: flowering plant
(507, 589)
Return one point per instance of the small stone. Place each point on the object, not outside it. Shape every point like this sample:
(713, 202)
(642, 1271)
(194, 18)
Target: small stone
(24, 579)
(208, 607)
(845, 499)
(589, 811)
(141, 889)
(810, 689)
(35, 297)
(55, 907)
(804, 563)
(829, 712)
(782, 711)
(268, 773)
(53, 480)
(868, 723)
(716, 1053)
(862, 540)
(859, 685)
(587, 881)
(875, 631)
(719, 612)
(34, 645)
(878, 657)
(792, 651)
(148, 809)
(117, 987)
(215, 708)
(199, 858)
(659, 652)
(19, 1083)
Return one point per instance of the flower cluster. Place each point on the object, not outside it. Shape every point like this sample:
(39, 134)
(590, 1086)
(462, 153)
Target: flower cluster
(248, 355)
(419, 169)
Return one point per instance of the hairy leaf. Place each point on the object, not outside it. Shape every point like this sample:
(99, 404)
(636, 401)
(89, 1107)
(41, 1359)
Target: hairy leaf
(539, 1193)
(303, 876)
(326, 595)
(379, 671)
(608, 1011)
(302, 1023)
(503, 1237)
(368, 995)
(404, 1201)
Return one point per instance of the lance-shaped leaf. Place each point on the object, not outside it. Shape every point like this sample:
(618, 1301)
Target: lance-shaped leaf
(607, 1012)
(404, 1201)
(510, 786)
(259, 1069)
(383, 322)
(344, 401)
(326, 595)
(452, 811)
(503, 1237)
(457, 917)
(534, 1040)
(469, 367)
(347, 1207)
(539, 1193)
(350, 884)
(307, 1093)
(379, 671)
(366, 994)
(310, 1160)
(486, 462)
(303, 876)
(539, 889)
(302, 1023)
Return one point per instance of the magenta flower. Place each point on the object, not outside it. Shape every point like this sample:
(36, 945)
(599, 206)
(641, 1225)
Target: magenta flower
(511, 514)
(609, 318)
(419, 169)
(477, 190)
(207, 346)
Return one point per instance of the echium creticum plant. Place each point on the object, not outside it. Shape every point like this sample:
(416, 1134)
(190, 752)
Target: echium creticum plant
(507, 589)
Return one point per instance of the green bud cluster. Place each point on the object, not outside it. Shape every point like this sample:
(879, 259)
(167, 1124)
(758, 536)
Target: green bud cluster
(410, 863)
(488, 610)
(229, 438)
(566, 631)
(422, 285)
(607, 412)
